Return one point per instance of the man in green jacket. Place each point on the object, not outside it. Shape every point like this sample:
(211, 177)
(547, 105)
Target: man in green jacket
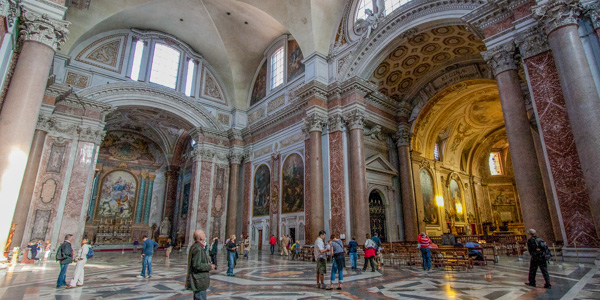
(199, 265)
(64, 255)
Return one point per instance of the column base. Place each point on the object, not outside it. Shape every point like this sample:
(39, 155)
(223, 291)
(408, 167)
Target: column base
(583, 255)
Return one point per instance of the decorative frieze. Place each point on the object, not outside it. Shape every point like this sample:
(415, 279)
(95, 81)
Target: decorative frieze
(557, 13)
(403, 134)
(532, 42)
(355, 119)
(501, 58)
(43, 29)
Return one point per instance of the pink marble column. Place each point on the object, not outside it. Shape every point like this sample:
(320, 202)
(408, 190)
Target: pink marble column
(522, 149)
(22, 105)
(247, 199)
(409, 209)
(314, 126)
(359, 212)
(560, 21)
(26, 192)
(337, 178)
(232, 200)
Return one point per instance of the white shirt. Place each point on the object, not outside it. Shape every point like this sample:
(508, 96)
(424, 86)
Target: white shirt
(83, 252)
(319, 246)
(370, 244)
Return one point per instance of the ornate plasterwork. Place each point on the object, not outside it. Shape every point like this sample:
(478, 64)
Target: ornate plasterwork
(592, 11)
(42, 29)
(532, 42)
(314, 122)
(77, 80)
(276, 103)
(557, 13)
(312, 89)
(501, 58)
(211, 88)
(236, 157)
(107, 53)
(57, 126)
(355, 119)
(335, 123)
(403, 134)
(8, 9)
(404, 110)
(256, 115)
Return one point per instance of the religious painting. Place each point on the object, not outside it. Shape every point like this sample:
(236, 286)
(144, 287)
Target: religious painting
(259, 91)
(454, 206)
(295, 57)
(292, 190)
(429, 205)
(117, 195)
(185, 199)
(126, 146)
(262, 192)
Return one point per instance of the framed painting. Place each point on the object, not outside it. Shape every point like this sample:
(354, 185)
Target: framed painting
(117, 195)
(262, 192)
(429, 206)
(292, 185)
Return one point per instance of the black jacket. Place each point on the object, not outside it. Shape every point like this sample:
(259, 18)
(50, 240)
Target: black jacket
(64, 254)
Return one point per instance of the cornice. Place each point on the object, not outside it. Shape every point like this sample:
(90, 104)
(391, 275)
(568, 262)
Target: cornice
(310, 90)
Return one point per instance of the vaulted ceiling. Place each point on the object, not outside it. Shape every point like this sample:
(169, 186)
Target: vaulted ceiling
(231, 34)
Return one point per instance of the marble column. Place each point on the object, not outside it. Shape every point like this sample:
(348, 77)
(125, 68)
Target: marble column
(139, 209)
(528, 178)
(41, 35)
(314, 127)
(93, 196)
(560, 21)
(171, 178)
(409, 209)
(359, 212)
(232, 198)
(148, 202)
(26, 192)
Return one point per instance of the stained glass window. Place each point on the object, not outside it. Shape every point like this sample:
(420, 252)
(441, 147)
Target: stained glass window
(495, 166)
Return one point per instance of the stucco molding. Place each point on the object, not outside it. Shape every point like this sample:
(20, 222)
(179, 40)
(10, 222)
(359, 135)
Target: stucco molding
(41, 28)
(552, 15)
(501, 58)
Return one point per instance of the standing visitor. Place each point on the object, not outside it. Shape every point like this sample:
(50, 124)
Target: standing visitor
(295, 249)
(353, 250)
(231, 251)
(338, 261)
(320, 258)
(33, 251)
(246, 246)
(214, 248)
(148, 248)
(369, 253)
(199, 266)
(284, 245)
(47, 250)
(539, 252)
(135, 246)
(169, 248)
(81, 259)
(272, 242)
(424, 243)
(64, 255)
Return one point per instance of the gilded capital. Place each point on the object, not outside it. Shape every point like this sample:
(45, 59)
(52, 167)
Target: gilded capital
(403, 135)
(355, 119)
(151, 176)
(41, 28)
(557, 13)
(501, 58)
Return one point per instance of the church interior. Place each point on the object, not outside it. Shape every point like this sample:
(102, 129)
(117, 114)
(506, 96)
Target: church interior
(470, 119)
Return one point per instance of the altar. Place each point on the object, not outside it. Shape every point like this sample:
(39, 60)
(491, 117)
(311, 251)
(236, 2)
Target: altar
(115, 231)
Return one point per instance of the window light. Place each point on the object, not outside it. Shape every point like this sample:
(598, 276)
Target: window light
(165, 66)
(137, 60)
(495, 166)
(360, 10)
(277, 68)
(190, 77)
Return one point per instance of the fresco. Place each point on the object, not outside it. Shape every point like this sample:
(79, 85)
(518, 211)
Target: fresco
(295, 66)
(431, 210)
(292, 191)
(456, 200)
(117, 195)
(126, 147)
(259, 90)
(262, 192)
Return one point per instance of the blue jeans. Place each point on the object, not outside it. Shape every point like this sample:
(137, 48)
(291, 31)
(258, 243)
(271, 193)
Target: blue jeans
(62, 277)
(147, 263)
(246, 253)
(335, 269)
(353, 260)
(426, 255)
(272, 249)
(231, 256)
(200, 295)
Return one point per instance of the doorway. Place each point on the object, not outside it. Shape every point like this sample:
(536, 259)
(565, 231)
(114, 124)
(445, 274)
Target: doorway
(377, 215)
(260, 240)
(293, 234)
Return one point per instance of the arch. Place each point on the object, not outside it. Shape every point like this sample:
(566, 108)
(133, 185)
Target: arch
(141, 94)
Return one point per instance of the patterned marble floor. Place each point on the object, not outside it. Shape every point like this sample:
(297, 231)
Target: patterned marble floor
(112, 276)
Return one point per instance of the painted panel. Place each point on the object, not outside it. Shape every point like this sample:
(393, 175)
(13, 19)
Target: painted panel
(56, 157)
(292, 191)
(117, 198)
(454, 205)
(295, 66)
(261, 192)
(40, 225)
(259, 91)
(432, 215)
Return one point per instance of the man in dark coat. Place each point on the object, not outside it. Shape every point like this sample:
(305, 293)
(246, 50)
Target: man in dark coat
(199, 265)
(537, 248)
(64, 255)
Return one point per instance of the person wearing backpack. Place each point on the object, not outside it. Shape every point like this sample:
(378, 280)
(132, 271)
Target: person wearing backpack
(64, 255)
(539, 253)
(81, 259)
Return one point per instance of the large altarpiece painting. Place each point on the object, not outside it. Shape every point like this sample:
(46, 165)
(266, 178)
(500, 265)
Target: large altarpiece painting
(431, 210)
(262, 192)
(117, 195)
(292, 191)
(455, 206)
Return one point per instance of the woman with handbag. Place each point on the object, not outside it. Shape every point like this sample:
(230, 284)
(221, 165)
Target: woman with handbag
(339, 261)
(369, 253)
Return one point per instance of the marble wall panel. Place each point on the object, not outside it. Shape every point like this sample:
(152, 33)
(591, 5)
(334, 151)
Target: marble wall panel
(247, 194)
(307, 198)
(338, 187)
(158, 193)
(273, 212)
(220, 187)
(562, 157)
(204, 194)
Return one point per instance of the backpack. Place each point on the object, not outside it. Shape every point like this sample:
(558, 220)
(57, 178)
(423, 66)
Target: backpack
(90, 253)
(544, 250)
(29, 254)
(59, 254)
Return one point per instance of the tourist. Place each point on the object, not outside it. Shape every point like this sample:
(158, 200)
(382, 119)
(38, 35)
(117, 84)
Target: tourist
(81, 259)
(539, 252)
(284, 245)
(272, 242)
(231, 251)
(353, 250)
(320, 258)
(214, 249)
(135, 246)
(64, 255)
(199, 266)
(246, 246)
(47, 250)
(295, 249)
(424, 242)
(474, 253)
(369, 248)
(148, 248)
(39, 253)
(33, 251)
(338, 261)
(169, 248)
(459, 244)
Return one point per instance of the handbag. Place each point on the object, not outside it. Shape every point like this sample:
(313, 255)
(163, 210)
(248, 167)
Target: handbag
(370, 252)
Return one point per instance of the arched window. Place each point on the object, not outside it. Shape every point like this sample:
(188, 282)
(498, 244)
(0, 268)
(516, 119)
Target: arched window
(390, 6)
(436, 152)
(277, 68)
(495, 165)
(165, 66)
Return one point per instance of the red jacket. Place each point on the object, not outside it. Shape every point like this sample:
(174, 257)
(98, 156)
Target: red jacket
(273, 241)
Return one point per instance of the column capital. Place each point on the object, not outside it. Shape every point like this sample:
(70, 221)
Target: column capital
(42, 29)
(532, 42)
(335, 123)
(592, 11)
(403, 134)
(90, 134)
(236, 157)
(151, 176)
(200, 154)
(355, 119)
(557, 13)
(501, 58)
(404, 110)
(314, 122)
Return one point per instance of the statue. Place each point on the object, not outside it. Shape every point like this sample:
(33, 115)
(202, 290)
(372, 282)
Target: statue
(165, 227)
(380, 9)
(364, 27)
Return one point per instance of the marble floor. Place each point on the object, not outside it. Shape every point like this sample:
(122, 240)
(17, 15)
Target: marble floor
(113, 276)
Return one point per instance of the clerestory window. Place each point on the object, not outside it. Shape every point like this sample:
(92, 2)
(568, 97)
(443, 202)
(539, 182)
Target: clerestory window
(165, 66)
(390, 6)
(277, 68)
(495, 164)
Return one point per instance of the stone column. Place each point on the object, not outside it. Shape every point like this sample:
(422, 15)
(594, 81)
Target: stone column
(26, 192)
(522, 149)
(148, 202)
(171, 178)
(232, 198)
(41, 35)
(409, 209)
(139, 209)
(314, 127)
(359, 212)
(560, 20)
